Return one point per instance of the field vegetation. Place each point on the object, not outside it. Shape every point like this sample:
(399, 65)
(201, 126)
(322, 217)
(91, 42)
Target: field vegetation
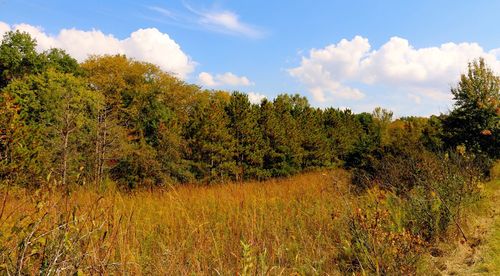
(113, 166)
(278, 226)
(313, 223)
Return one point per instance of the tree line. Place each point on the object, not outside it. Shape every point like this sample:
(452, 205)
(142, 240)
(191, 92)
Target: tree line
(115, 118)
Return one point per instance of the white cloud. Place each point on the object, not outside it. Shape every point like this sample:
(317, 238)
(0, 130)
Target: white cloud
(221, 21)
(226, 79)
(163, 11)
(207, 79)
(148, 45)
(233, 80)
(4, 27)
(333, 72)
(227, 21)
(255, 97)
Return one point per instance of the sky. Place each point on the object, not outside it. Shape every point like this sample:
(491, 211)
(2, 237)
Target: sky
(401, 55)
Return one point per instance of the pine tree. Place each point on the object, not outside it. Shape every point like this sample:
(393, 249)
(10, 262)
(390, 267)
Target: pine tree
(314, 140)
(247, 135)
(211, 146)
(282, 133)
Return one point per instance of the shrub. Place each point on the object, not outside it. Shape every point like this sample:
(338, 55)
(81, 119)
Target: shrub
(414, 197)
(434, 188)
(375, 242)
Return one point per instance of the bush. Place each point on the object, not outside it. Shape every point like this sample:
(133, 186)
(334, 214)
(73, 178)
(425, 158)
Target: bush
(138, 169)
(426, 215)
(434, 187)
(375, 241)
(413, 196)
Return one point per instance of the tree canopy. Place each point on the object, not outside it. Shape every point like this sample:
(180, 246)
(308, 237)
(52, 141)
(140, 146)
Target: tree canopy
(475, 120)
(115, 118)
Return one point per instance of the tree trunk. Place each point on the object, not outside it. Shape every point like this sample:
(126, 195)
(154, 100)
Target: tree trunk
(97, 151)
(65, 159)
(101, 147)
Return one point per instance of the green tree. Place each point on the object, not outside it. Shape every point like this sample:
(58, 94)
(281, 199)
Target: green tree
(382, 119)
(18, 57)
(51, 127)
(211, 145)
(59, 60)
(475, 119)
(282, 134)
(367, 145)
(144, 112)
(342, 130)
(314, 141)
(243, 125)
(432, 134)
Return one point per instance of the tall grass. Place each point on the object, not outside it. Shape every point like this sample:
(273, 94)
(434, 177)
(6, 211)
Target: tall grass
(491, 211)
(279, 226)
(306, 224)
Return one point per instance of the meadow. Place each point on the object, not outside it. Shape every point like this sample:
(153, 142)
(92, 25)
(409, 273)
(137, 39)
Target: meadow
(280, 226)
(114, 166)
(309, 224)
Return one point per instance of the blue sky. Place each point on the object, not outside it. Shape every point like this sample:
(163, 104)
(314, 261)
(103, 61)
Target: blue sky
(402, 55)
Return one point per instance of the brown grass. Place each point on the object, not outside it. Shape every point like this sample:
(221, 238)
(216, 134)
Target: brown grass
(273, 227)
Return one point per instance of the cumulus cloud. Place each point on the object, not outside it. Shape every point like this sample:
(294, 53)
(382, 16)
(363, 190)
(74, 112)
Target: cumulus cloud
(148, 45)
(206, 79)
(4, 27)
(335, 71)
(255, 98)
(226, 79)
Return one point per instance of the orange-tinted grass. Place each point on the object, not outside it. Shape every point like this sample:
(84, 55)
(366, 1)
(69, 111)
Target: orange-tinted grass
(281, 226)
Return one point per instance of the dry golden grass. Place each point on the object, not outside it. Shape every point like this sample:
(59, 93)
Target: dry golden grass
(273, 227)
(481, 254)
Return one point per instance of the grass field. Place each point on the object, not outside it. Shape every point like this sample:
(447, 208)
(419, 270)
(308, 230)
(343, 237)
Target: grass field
(492, 250)
(274, 227)
(481, 256)
(490, 211)
(300, 225)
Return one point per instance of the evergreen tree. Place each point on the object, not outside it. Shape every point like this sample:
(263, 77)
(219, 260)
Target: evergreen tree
(211, 146)
(282, 133)
(342, 131)
(314, 140)
(243, 125)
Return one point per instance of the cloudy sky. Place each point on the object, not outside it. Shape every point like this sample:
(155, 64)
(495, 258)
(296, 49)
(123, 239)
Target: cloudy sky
(401, 55)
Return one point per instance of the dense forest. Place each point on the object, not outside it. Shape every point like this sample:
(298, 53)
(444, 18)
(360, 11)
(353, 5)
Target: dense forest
(104, 161)
(116, 118)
